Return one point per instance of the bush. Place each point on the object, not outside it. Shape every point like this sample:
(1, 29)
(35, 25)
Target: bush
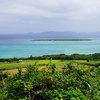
(69, 83)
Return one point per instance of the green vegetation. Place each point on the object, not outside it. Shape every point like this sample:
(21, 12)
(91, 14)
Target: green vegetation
(78, 78)
(58, 60)
(25, 63)
(87, 57)
(72, 82)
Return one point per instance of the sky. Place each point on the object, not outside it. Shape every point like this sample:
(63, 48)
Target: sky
(23, 16)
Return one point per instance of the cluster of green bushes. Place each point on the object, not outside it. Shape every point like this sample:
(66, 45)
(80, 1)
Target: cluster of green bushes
(70, 83)
(88, 57)
(10, 59)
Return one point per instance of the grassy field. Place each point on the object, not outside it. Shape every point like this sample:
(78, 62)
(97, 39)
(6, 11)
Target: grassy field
(25, 63)
(13, 67)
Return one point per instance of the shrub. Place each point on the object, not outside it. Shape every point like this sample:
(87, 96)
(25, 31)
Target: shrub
(69, 83)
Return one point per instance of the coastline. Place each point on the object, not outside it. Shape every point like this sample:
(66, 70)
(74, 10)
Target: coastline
(58, 56)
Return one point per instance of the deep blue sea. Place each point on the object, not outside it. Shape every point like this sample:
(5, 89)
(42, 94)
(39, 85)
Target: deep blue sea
(25, 48)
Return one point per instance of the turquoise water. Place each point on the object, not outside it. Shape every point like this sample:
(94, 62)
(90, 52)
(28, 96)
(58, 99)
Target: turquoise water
(36, 48)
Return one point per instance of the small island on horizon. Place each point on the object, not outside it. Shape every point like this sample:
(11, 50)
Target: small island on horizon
(62, 39)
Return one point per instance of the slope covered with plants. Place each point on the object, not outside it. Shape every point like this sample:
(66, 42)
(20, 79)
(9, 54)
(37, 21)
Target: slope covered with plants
(69, 83)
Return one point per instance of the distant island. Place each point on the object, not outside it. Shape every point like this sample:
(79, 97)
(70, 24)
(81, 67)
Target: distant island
(62, 40)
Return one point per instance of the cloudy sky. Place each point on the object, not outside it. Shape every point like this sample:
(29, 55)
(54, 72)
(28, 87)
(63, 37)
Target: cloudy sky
(22, 16)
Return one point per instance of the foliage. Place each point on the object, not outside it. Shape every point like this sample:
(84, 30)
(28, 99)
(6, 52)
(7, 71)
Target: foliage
(87, 57)
(70, 83)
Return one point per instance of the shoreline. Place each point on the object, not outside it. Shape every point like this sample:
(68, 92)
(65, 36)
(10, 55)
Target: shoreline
(54, 55)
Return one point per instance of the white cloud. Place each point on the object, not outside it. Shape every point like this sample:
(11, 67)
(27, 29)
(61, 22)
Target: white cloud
(34, 11)
(52, 8)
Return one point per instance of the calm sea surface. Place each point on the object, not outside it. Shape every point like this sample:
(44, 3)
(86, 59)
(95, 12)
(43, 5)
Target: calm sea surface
(10, 49)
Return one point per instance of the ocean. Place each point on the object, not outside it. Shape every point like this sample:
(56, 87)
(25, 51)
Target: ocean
(25, 48)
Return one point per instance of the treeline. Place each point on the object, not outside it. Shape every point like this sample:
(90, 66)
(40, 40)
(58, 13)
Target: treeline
(95, 56)
(87, 57)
